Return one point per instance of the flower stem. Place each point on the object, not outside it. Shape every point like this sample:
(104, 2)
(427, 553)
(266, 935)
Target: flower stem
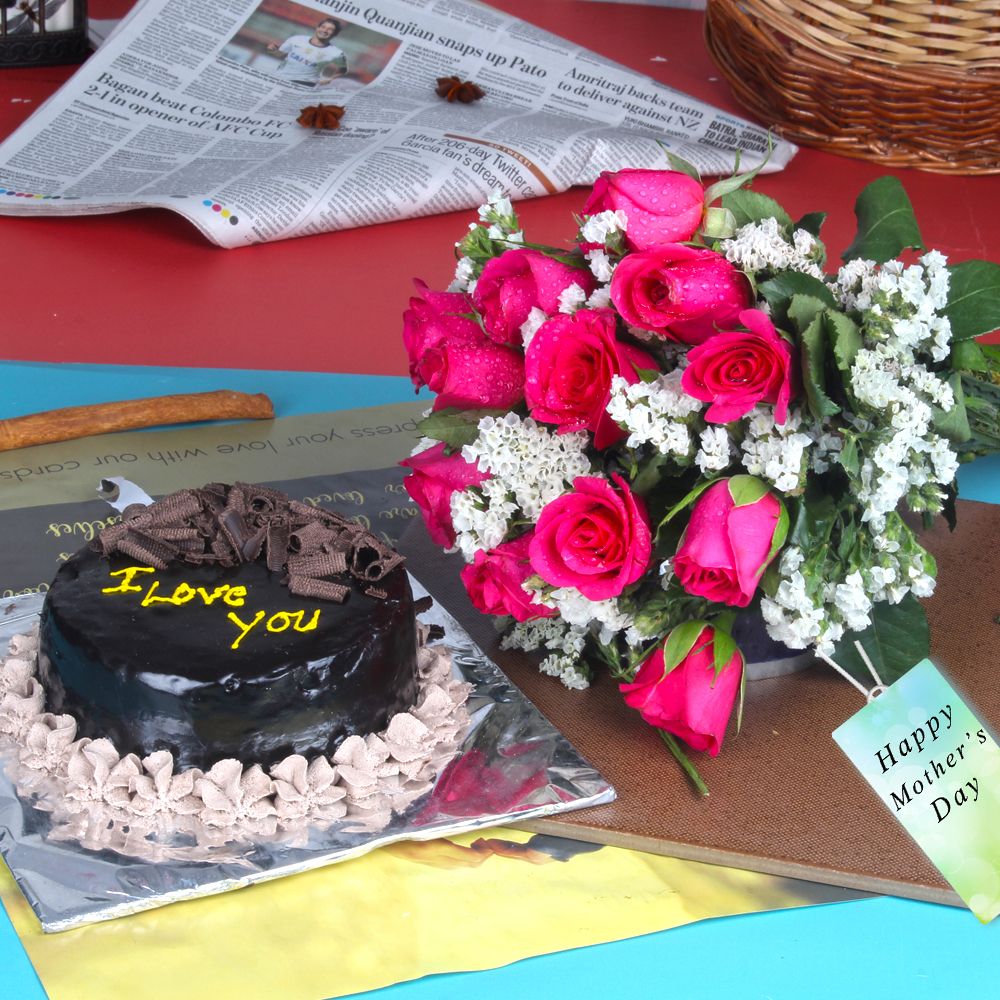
(682, 758)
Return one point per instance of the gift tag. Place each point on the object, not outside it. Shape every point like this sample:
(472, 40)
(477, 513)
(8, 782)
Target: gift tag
(937, 769)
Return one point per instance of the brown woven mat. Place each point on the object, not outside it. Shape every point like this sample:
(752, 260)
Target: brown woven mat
(784, 799)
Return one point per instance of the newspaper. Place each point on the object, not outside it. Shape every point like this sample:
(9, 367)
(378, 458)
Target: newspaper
(192, 106)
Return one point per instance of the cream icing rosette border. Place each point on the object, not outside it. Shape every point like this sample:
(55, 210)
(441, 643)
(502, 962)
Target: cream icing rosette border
(142, 808)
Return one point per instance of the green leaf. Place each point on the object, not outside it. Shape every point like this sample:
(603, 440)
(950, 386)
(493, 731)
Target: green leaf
(897, 639)
(844, 336)
(648, 374)
(803, 310)
(850, 461)
(968, 356)
(813, 374)
(779, 291)
(746, 490)
(648, 476)
(812, 222)
(752, 206)
(679, 643)
(886, 223)
(723, 648)
(973, 299)
(454, 426)
(814, 519)
(953, 424)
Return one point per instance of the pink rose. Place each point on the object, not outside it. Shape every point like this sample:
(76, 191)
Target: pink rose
(691, 701)
(517, 281)
(568, 369)
(596, 539)
(494, 581)
(434, 477)
(727, 546)
(684, 292)
(437, 318)
(473, 376)
(736, 370)
(662, 206)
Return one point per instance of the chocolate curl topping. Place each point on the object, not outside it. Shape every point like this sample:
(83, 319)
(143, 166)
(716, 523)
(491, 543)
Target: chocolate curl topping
(228, 525)
(323, 590)
(453, 88)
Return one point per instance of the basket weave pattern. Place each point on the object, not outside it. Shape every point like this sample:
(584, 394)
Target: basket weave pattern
(910, 83)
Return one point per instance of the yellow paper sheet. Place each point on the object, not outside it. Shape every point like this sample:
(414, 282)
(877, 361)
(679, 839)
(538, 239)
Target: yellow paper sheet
(477, 901)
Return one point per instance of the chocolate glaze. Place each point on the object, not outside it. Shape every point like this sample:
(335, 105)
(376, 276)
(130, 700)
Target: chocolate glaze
(165, 677)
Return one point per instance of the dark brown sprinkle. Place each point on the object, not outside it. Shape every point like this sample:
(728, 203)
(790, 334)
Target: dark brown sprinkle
(453, 88)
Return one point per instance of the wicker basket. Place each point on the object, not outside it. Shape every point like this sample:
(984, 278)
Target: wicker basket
(910, 83)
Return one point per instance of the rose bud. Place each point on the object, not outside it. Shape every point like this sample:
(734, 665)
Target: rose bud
(434, 477)
(568, 369)
(736, 528)
(494, 581)
(693, 701)
(474, 376)
(662, 206)
(596, 539)
(685, 293)
(735, 370)
(517, 281)
(437, 318)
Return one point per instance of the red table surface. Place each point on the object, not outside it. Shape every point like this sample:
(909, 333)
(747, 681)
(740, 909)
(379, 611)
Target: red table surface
(145, 287)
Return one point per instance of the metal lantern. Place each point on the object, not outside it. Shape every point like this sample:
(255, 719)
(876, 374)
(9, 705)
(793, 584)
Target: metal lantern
(41, 32)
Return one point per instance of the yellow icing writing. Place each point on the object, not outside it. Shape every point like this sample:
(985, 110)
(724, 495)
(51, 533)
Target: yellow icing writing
(127, 575)
(278, 622)
(234, 597)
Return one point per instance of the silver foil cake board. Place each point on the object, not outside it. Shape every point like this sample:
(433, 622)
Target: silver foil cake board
(519, 768)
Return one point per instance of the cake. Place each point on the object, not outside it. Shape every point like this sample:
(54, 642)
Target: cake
(230, 622)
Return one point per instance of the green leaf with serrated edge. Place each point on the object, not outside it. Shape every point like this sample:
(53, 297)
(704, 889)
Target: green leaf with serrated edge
(886, 223)
(968, 356)
(897, 639)
(973, 299)
(953, 424)
(453, 426)
(812, 222)
(679, 644)
(752, 206)
(804, 309)
(844, 335)
(746, 490)
(779, 291)
(738, 180)
(813, 378)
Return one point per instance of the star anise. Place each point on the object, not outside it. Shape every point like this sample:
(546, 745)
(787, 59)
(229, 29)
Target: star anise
(321, 116)
(451, 88)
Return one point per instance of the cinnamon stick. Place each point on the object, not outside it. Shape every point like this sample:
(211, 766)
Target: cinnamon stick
(100, 418)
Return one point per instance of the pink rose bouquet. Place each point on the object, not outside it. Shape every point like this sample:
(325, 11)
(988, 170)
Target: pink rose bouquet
(684, 426)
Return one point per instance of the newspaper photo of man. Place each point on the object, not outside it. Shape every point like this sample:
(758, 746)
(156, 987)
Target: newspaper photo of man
(311, 59)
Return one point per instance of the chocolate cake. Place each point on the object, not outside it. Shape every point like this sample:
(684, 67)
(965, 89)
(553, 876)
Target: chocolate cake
(230, 622)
